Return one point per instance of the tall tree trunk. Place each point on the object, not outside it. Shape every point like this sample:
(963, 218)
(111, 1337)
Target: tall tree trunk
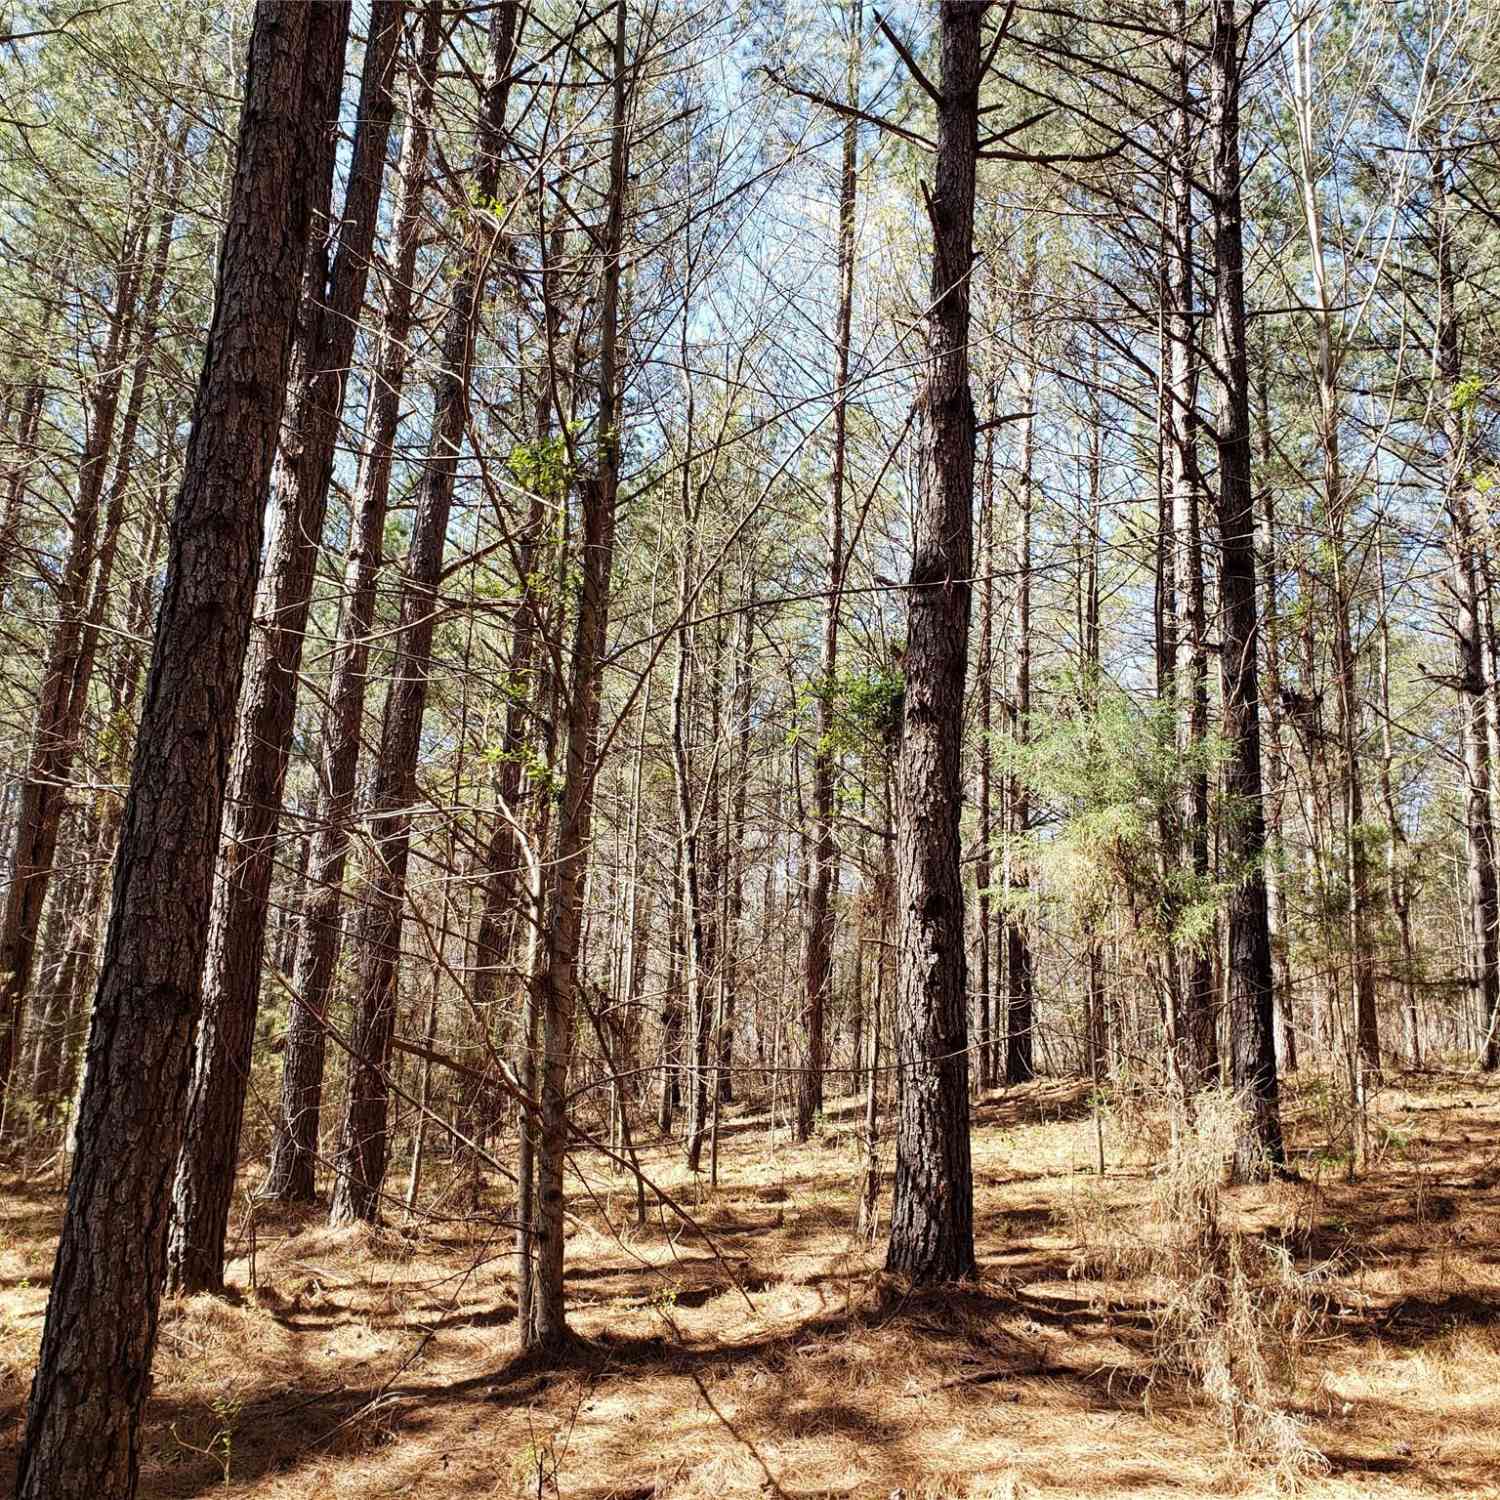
(1095, 1019)
(361, 1158)
(734, 935)
(1397, 849)
(559, 978)
(1199, 1059)
(294, 1148)
(1337, 501)
(984, 869)
(817, 952)
(1276, 913)
(1252, 1043)
(83, 1425)
(331, 306)
(712, 844)
(932, 1210)
(1463, 547)
(55, 737)
(670, 1097)
(507, 882)
(1020, 1003)
(696, 911)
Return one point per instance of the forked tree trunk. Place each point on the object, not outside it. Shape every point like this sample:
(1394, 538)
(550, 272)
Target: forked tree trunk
(83, 1429)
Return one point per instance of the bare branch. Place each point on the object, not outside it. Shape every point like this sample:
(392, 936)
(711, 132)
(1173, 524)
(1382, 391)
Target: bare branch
(850, 111)
(932, 90)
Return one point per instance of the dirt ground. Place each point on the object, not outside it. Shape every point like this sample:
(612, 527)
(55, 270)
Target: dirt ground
(772, 1358)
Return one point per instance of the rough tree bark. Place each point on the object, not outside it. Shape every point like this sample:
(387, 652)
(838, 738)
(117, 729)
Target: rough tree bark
(1252, 1043)
(295, 1145)
(43, 794)
(932, 1209)
(93, 1375)
(332, 299)
(361, 1158)
(1198, 1053)
(1463, 550)
(817, 951)
(559, 978)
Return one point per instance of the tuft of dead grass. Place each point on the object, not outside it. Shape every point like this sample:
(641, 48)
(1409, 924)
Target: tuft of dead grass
(1230, 1311)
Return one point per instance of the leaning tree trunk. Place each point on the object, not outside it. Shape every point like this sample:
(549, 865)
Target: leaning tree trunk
(932, 1208)
(295, 1144)
(83, 1428)
(361, 1159)
(43, 794)
(1252, 1043)
(331, 305)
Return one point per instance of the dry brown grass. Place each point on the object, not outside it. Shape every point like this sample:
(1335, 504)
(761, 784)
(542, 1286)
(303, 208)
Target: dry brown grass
(379, 1363)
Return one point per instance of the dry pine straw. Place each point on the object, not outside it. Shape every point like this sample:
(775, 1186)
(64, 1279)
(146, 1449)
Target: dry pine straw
(379, 1364)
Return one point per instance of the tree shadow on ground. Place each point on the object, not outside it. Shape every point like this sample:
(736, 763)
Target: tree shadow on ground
(282, 1427)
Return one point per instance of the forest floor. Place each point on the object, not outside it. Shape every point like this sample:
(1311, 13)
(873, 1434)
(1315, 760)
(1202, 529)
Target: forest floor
(777, 1360)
